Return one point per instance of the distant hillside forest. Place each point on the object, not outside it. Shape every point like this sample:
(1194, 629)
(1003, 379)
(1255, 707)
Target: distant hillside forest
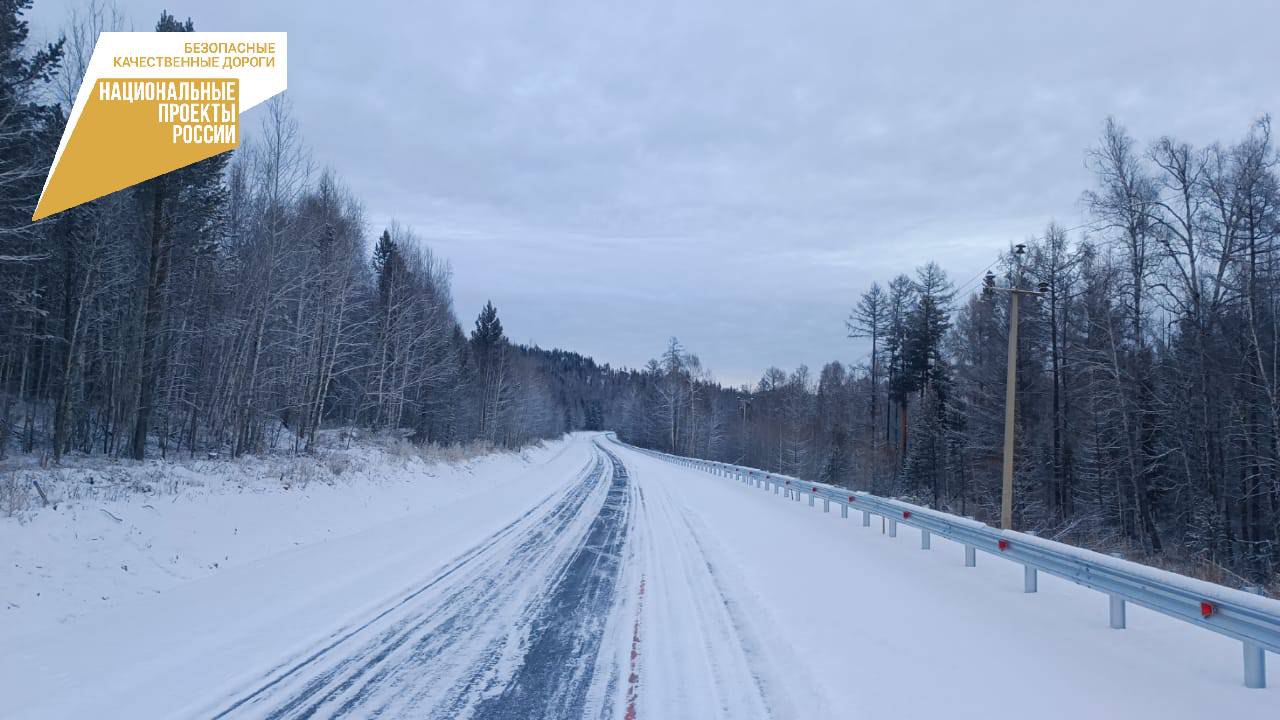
(241, 304)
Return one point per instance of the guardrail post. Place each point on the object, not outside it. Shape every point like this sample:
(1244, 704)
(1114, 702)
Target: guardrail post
(1117, 612)
(795, 495)
(775, 488)
(1117, 604)
(1029, 579)
(893, 527)
(866, 518)
(810, 498)
(1255, 666)
(1255, 657)
(924, 539)
(970, 556)
(844, 511)
(826, 505)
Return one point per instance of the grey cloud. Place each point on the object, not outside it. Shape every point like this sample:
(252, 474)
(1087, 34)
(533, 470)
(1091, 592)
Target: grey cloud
(735, 173)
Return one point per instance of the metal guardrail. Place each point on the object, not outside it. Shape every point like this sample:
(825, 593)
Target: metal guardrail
(1249, 618)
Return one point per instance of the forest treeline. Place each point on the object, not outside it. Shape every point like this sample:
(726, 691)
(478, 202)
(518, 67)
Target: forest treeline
(1147, 373)
(232, 306)
(242, 304)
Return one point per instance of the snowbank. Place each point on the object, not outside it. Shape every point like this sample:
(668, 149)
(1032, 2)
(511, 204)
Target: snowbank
(115, 530)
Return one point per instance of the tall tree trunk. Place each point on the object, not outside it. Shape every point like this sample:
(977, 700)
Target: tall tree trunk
(153, 316)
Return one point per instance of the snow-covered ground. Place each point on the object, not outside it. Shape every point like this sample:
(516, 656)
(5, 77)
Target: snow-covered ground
(842, 621)
(582, 580)
(117, 530)
(233, 570)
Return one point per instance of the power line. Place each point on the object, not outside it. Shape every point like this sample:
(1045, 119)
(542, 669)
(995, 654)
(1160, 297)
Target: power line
(995, 262)
(975, 278)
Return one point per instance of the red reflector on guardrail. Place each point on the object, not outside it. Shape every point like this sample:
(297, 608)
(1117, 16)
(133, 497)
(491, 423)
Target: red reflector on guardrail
(787, 482)
(851, 498)
(1207, 609)
(1002, 544)
(814, 488)
(906, 514)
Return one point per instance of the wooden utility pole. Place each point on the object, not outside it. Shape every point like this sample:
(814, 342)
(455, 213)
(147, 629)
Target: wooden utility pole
(1010, 396)
(1010, 383)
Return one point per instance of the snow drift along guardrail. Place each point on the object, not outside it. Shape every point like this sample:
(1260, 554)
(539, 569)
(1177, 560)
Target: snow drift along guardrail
(1251, 619)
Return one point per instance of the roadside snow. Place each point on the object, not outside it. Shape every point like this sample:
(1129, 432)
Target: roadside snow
(731, 603)
(121, 530)
(877, 627)
(293, 567)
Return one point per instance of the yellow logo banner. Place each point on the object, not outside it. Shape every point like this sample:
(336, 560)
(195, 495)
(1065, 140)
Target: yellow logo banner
(135, 118)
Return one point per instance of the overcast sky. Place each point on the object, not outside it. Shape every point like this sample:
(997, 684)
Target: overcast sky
(733, 173)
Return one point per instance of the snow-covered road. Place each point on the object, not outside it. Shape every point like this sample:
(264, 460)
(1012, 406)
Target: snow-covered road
(604, 583)
(503, 631)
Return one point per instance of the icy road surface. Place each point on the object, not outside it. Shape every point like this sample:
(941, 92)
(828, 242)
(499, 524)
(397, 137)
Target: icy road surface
(603, 583)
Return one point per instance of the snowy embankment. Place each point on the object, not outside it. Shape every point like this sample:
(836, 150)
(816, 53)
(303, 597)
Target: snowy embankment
(117, 530)
(220, 557)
